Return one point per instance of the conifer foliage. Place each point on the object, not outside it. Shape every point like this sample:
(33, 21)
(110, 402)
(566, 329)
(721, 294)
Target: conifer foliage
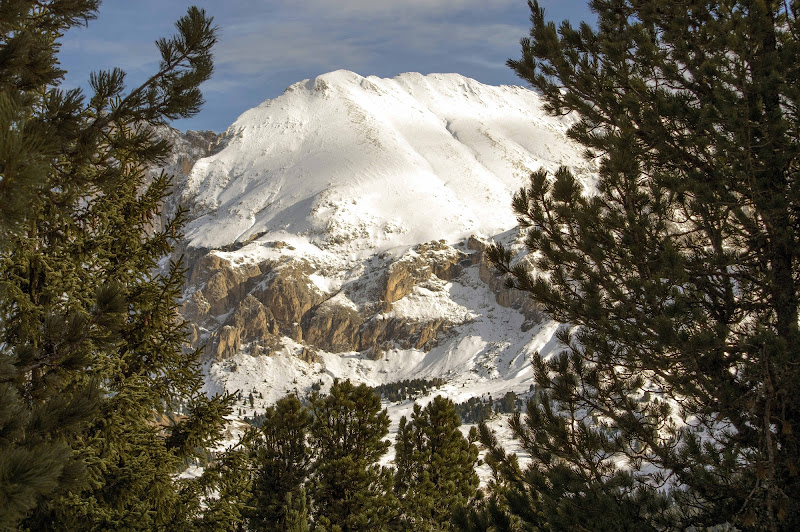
(350, 490)
(316, 467)
(674, 402)
(92, 363)
(435, 466)
(282, 459)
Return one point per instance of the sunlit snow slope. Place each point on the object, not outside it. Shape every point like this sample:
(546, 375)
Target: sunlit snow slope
(374, 163)
(312, 235)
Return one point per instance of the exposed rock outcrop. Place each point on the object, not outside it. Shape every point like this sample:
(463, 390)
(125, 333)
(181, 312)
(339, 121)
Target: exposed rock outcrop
(255, 304)
(223, 284)
(228, 342)
(289, 294)
(266, 299)
(334, 326)
(403, 333)
(433, 258)
(507, 297)
(254, 319)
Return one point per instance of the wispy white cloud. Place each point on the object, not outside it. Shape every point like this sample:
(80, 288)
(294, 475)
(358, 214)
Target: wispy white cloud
(222, 86)
(362, 9)
(278, 46)
(378, 8)
(265, 45)
(464, 36)
(280, 38)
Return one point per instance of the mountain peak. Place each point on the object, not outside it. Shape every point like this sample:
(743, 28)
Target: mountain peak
(333, 233)
(366, 164)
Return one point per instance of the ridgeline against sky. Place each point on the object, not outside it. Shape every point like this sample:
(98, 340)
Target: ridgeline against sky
(266, 46)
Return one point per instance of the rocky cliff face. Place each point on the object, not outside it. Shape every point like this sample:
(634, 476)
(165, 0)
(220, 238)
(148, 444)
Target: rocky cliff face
(252, 305)
(506, 297)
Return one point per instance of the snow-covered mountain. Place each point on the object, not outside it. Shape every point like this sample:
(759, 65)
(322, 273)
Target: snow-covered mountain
(375, 163)
(340, 233)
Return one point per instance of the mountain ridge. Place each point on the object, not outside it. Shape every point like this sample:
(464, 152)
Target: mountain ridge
(335, 235)
(341, 158)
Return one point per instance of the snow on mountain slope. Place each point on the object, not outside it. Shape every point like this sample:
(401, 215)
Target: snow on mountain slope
(332, 237)
(368, 164)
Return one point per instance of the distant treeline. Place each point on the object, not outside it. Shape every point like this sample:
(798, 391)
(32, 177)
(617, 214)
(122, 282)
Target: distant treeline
(407, 389)
(473, 411)
(479, 409)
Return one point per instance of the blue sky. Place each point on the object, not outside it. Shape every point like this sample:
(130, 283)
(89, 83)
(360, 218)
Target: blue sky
(266, 45)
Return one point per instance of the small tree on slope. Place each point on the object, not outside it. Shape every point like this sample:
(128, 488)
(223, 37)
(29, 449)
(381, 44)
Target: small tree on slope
(435, 466)
(349, 490)
(281, 459)
(674, 401)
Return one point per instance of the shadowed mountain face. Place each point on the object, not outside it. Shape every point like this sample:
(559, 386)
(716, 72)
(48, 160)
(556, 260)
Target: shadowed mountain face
(338, 231)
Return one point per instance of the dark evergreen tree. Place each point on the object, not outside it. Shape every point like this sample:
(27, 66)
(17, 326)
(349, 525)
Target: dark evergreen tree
(488, 511)
(35, 457)
(673, 404)
(508, 404)
(435, 466)
(223, 489)
(281, 460)
(296, 512)
(93, 364)
(349, 490)
(28, 64)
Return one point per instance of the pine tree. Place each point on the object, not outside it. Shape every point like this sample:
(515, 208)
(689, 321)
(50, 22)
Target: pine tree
(28, 64)
(673, 402)
(93, 363)
(296, 512)
(349, 490)
(281, 459)
(223, 489)
(488, 511)
(435, 466)
(35, 456)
